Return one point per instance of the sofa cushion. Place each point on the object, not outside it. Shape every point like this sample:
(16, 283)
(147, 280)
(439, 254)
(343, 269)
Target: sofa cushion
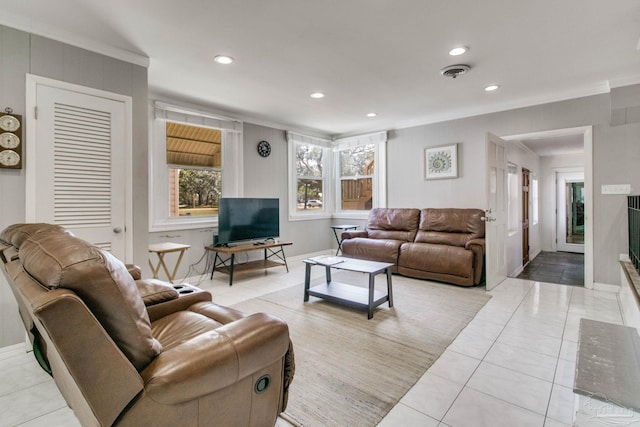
(101, 281)
(181, 326)
(381, 250)
(393, 224)
(443, 259)
(450, 226)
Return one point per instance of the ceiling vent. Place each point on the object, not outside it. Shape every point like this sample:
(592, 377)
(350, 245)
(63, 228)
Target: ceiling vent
(454, 71)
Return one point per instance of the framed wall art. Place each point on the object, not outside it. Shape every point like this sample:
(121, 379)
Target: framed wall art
(441, 162)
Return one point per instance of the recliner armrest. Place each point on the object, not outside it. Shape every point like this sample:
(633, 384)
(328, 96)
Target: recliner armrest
(154, 291)
(134, 270)
(214, 360)
(477, 246)
(475, 242)
(353, 234)
(188, 296)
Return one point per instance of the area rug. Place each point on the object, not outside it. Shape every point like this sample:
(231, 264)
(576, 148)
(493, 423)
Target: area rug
(351, 371)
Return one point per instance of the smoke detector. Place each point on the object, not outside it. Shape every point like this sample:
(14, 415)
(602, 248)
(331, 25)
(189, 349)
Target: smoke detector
(454, 71)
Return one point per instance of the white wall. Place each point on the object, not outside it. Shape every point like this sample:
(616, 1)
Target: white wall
(615, 161)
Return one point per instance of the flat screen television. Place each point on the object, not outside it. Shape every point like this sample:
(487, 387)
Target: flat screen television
(243, 219)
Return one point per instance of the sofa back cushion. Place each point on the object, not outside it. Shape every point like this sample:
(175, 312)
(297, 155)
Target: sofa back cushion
(450, 226)
(393, 224)
(58, 260)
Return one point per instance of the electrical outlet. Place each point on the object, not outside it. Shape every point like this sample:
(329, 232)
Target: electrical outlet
(616, 189)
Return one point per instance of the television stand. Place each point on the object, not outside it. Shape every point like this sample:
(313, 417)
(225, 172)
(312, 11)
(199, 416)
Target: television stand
(229, 266)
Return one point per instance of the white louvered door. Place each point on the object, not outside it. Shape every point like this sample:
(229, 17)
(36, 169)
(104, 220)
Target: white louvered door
(79, 165)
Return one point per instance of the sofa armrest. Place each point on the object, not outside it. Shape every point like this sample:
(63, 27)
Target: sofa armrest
(353, 234)
(216, 359)
(477, 246)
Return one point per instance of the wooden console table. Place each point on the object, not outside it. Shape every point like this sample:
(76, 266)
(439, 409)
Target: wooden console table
(229, 266)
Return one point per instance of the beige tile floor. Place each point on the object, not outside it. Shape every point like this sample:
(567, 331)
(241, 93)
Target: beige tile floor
(513, 365)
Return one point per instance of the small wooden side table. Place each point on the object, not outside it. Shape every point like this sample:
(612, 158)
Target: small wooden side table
(164, 248)
(343, 227)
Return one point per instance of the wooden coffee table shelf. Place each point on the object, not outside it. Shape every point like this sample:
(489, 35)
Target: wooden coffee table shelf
(229, 266)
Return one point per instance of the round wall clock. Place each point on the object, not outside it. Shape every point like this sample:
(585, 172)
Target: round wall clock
(9, 140)
(9, 123)
(264, 148)
(9, 158)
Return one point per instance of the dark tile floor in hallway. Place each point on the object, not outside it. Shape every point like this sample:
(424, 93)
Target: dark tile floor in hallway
(557, 267)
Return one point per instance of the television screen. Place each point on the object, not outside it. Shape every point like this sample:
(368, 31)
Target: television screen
(248, 219)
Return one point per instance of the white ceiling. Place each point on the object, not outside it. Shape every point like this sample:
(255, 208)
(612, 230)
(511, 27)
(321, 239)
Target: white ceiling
(557, 145)
(378, 56)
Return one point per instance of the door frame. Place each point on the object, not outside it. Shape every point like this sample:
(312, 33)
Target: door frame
(564, 177)
(32, 82)
(587, 133)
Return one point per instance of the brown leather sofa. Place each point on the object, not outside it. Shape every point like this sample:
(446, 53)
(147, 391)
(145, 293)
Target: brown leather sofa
(130, 352)
(438, 244)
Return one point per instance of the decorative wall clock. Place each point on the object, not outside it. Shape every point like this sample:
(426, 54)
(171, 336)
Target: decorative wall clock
(10, 140)
(264, 148)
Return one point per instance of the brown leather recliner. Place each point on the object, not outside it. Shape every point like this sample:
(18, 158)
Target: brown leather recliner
(132, 352)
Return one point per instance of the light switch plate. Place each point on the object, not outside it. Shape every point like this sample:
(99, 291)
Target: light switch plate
(616, 188)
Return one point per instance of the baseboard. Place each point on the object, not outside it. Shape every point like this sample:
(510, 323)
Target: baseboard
(518, 271)
(606, 287)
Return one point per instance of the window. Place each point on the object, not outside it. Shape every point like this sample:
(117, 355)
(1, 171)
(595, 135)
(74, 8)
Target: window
(534, 199)
(513, 197)
(195, 160)
(360, 173)
(194, 157)
(308, 176)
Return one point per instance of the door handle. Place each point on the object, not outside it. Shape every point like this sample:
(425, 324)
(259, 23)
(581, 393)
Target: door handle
(117, 230)
(487, 218)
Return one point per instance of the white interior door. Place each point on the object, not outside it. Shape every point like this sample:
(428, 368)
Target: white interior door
(77, 168)
(566, 240)
(496, 214)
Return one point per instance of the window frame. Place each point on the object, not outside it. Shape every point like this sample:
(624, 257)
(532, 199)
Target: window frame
(293, 140)
(535, 198)
(379, 178)
(232, 165)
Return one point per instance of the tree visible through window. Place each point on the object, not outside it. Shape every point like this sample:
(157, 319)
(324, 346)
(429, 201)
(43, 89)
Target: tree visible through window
(194, 156)
(310, 177)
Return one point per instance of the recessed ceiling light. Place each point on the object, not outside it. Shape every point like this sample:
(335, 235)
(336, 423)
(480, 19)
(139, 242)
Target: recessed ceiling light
(223, 59)
(371, 114)
(491, 88)
(317, 95)
(458, 50)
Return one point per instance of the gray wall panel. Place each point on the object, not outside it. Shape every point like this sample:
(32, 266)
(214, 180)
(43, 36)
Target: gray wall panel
(22, 53)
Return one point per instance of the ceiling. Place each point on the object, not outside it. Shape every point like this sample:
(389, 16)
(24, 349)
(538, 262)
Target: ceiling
(379, 56)
(557, 145)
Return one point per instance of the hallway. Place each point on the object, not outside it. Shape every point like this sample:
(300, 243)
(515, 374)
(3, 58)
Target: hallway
(556, 267)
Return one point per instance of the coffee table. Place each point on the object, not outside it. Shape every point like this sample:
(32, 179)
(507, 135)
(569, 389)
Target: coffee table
(346, 294)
